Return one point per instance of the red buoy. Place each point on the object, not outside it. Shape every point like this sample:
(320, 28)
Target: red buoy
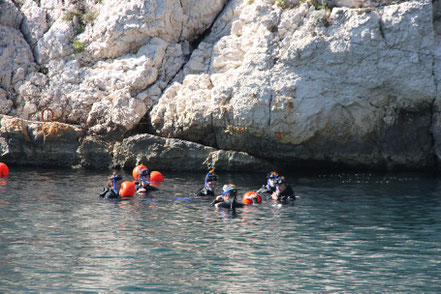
(4, 170)
(128, 189)
(251, 197)
(156, 176)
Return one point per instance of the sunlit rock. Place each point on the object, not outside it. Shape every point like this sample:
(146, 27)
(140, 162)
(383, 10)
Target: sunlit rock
(297, 83)
(16, 60)
(328, 86)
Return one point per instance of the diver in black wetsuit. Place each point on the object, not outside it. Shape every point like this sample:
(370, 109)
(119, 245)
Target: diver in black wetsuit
(284, 192)
(143, 185)
(270, 186)
(227, 199)
(210, 185)
(112, 188)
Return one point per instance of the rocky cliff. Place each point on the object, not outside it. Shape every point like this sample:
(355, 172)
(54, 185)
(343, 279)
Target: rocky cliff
(227, 84)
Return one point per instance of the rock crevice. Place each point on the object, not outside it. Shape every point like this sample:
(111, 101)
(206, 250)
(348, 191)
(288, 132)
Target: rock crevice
(323, 84)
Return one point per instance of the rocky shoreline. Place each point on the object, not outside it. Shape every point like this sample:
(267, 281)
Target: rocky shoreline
(52, 144)
(60, 145)
(230, 85)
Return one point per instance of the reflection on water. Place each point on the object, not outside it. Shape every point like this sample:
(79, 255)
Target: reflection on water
(3, 182)
(346, 233)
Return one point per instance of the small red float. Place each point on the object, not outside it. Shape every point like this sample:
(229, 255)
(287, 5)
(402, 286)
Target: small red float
(4, 170)
(249, 196)
(128, 189)
(156, 176)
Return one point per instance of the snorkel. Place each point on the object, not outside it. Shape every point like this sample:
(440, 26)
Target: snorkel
(271, 175)
(209, 175)
(232, 202)
(146, 182)
(143, 173)
(114, 183)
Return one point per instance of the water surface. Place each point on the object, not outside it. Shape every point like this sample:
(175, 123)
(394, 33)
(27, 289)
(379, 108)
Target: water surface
(346, 233)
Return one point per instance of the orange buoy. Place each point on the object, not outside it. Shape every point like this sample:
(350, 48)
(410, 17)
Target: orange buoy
(4, 170)
(156, 176)
(136, 170)
(251, 197)
(128, 189)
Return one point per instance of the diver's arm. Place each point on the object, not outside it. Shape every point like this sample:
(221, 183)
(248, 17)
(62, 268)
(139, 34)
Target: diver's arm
(103, 194)
(218, 199)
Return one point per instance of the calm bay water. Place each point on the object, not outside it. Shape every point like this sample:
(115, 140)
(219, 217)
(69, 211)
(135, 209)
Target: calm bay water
(346, 233)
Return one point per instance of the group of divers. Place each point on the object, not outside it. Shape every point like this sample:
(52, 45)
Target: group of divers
(146, 181)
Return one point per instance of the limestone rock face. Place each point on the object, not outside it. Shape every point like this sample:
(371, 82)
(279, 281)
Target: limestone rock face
(10, 15)
(350, 86)
(125, 26)
(356, 83)
(97, 63)
(16, 60)
(5, 103)
(34, 24)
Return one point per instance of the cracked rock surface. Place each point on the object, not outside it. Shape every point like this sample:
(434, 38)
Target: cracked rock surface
(280, 82)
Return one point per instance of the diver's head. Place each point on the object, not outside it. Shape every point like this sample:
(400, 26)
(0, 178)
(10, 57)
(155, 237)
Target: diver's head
(230, 193)
(210, 180)
(136, 170)
(144, 176)
(114, 182)
(281, 183)
(272, 176)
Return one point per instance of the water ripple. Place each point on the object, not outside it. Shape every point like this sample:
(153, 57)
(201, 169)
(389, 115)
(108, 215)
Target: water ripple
(346, 233)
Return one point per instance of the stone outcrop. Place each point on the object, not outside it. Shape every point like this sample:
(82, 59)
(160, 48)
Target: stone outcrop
(33, 143)
(295, 83)
(54, 144)
(349, 86)
(100, 63)
(162, 153)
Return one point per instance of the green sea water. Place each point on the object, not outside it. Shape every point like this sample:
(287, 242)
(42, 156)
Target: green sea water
(346, 233)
